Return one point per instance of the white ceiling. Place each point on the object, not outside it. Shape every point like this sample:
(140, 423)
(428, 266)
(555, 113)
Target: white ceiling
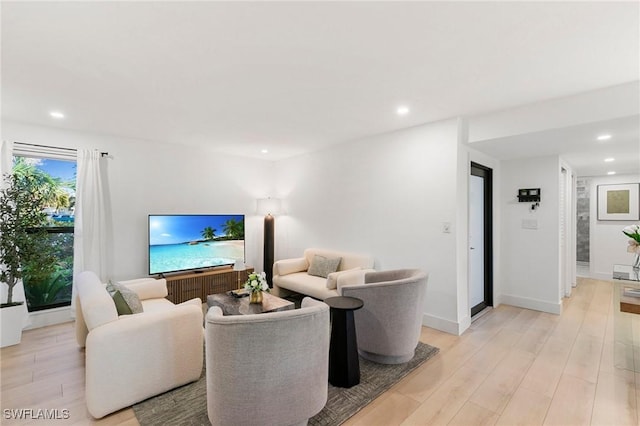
(293, 77)
(578, 145)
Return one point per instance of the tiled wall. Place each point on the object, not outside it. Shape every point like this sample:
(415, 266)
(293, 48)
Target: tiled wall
(582, 209)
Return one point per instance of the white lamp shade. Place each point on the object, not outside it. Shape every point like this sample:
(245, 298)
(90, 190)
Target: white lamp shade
(239, 266)
(270, 206)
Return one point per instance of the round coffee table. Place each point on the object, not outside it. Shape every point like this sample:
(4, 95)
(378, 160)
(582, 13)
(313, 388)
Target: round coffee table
(344, 366)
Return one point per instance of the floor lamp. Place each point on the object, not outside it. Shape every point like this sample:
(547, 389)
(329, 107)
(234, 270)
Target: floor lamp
(268, 207)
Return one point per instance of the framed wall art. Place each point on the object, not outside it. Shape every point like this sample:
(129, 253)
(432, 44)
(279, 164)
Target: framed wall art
(619, 202)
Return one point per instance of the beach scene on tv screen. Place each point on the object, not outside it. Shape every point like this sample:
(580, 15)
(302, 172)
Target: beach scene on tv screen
(182, 242)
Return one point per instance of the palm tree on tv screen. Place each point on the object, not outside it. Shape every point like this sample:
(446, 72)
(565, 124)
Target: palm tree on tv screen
(234, 228)
(208, 233)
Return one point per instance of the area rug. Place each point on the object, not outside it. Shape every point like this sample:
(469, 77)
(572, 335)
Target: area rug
(187, 405)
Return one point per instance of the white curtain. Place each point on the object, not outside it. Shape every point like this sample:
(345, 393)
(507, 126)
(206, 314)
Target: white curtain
(90, 231)
(6, 165)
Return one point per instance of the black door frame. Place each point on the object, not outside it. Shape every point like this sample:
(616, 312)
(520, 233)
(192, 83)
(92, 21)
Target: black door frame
(487, 174)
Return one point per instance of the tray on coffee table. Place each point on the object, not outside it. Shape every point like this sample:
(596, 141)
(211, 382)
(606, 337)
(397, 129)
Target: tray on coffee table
(231, 305)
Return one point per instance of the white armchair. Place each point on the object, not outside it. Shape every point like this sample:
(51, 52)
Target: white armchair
(268, 369)
(130, 358)
(388, 326)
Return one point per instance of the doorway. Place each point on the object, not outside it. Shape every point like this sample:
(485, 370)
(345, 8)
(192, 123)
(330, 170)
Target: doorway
(583, 220)
(480, 238)
(567, 232)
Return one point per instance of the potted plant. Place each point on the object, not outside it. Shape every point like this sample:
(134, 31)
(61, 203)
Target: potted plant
(256, 284)
(21, 244)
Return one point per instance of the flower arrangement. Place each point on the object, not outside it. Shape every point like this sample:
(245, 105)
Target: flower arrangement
(633, 232)
(256, 282)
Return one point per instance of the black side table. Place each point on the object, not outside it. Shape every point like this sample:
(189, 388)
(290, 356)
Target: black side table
(344, 367)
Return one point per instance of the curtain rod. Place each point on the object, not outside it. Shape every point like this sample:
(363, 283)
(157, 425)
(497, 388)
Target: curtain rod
(103, 154)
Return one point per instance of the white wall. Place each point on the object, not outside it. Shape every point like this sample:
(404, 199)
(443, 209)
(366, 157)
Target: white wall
(607, 243)
(387, 196)
(530, 258)
(150, 177)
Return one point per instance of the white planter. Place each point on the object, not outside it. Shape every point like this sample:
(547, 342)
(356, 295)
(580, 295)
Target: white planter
(11, 320)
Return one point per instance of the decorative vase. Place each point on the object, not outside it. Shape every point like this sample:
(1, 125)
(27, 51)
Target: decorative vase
(255, 297)
(636, 261)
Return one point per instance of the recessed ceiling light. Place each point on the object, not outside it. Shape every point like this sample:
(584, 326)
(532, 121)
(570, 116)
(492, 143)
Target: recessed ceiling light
(264, 151)
(402, 110)
(611, 173)
(608, 160)
(604, 137)
(56, 114)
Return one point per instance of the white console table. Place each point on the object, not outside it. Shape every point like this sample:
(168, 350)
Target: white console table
(626, 317)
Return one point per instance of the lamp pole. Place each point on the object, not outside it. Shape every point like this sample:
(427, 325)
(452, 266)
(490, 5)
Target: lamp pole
(269, 225)
(268, 207)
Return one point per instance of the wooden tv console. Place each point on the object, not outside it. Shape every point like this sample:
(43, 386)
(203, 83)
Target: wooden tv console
(183, 287)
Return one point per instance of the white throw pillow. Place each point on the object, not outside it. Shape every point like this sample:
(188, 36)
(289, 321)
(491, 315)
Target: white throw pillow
(322, 266)
(126, 300)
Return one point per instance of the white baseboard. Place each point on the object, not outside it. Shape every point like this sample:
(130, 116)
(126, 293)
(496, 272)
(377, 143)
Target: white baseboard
(497, 300)
(528, 303)
(49, 317)
(445, 325)
(464, 324)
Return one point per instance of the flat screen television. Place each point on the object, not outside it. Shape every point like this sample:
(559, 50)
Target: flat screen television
(182, 242)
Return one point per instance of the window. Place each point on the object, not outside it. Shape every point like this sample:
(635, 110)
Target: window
(48, 283)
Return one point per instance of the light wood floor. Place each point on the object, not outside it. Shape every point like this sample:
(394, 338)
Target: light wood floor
(512, 367)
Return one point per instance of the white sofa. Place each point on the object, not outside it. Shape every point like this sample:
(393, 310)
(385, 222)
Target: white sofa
(290, 275)
(130, 358)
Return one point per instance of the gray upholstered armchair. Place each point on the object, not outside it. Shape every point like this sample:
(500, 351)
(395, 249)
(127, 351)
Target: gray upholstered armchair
(268, 369)
(388, 326)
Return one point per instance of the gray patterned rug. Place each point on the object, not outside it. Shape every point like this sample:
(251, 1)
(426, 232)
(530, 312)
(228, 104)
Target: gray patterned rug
(187, 405)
